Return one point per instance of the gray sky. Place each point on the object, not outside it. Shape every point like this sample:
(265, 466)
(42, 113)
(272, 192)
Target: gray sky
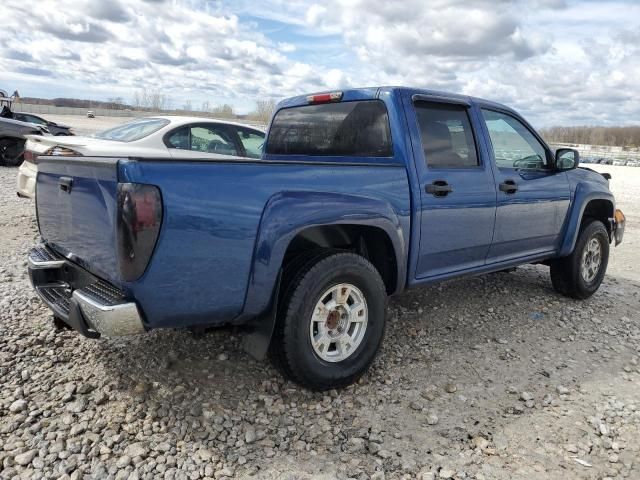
(556, 61)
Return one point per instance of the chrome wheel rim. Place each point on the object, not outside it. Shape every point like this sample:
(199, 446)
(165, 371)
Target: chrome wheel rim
(591, 260)
(338, 322)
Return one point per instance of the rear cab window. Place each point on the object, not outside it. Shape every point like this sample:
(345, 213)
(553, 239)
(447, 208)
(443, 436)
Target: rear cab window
(344, 129)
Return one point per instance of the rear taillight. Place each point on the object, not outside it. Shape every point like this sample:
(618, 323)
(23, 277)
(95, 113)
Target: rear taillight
(29, 156)
(63, 151)
(139, 217)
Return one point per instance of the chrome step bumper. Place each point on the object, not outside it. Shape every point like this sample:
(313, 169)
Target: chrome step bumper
(86, 303)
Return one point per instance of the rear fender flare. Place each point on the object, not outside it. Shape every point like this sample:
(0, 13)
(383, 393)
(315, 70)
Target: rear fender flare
(288, 213)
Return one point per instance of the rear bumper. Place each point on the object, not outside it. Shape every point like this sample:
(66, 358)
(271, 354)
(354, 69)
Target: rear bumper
(86, 303)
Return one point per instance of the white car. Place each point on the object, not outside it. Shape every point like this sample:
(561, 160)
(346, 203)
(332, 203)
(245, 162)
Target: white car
(150, 137)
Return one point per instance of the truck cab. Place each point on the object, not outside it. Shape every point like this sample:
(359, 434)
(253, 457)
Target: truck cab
(358, 195)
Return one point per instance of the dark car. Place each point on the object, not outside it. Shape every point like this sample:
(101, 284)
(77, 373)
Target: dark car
(54, 128)
(12, 139)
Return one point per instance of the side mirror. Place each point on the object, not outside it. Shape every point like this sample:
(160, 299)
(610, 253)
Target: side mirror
(567, 159)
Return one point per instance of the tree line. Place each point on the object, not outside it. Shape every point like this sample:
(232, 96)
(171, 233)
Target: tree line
(157, 101)
(593, 135)
(115, 103)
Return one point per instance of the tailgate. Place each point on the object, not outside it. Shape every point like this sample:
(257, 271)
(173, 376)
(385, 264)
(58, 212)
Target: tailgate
(76, 205)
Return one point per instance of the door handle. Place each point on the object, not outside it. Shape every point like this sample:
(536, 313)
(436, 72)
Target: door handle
(508, 186)
(65, 184)
(439, 188)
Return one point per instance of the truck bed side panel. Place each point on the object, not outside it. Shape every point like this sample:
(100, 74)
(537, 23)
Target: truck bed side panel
(212, 213)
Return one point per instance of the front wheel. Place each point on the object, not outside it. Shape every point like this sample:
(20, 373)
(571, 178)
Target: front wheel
(580, 274)
(331, 321)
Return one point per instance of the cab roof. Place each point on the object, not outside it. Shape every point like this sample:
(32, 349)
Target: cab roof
(370, 93)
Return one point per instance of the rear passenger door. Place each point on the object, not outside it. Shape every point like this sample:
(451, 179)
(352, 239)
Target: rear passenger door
(458, 193)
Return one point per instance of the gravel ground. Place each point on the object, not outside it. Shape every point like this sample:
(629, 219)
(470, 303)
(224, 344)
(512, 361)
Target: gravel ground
(493, 377)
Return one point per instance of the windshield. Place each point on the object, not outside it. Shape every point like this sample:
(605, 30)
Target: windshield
(134, 130)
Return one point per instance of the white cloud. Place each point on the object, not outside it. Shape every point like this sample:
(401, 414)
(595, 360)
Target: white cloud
(558, 61)
(534, 55)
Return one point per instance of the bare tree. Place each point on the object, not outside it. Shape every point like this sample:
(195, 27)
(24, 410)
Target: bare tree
(223, 111)
(137, 99)
(151, 99)
(264, 110)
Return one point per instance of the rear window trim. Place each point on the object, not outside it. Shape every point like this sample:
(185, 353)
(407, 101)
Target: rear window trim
(300, 156)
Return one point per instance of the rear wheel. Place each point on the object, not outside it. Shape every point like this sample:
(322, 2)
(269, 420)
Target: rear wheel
(331, 321)
(11, 151)
(580, 274)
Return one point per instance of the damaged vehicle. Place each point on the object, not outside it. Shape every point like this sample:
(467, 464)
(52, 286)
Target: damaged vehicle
(13, 135)
(53, 127)
(13, 132)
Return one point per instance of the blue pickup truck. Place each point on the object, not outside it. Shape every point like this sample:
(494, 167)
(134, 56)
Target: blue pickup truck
(359, 194)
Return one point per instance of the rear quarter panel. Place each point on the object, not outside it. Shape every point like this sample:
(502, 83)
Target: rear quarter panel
(213, 213)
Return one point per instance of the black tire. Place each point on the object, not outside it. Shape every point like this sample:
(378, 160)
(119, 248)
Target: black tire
(291, 347)
(11, 152)
(566, 274)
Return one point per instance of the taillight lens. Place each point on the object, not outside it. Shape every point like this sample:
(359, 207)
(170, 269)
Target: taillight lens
(29, 156)
(138, 225)
(64, 151)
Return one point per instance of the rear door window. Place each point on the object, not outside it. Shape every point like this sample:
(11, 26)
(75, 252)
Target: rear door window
(357, 129)
(447, 138)
(212, 140)
(252, 141)
(203, 138)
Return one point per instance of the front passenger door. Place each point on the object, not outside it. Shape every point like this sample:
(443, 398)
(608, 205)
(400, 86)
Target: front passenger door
(533, 198)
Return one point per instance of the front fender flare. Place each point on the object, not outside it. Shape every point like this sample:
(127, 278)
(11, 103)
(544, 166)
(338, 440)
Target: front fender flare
(288, 213)
(583, 195)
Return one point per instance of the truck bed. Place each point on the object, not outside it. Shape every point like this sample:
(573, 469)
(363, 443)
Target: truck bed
(201, 266)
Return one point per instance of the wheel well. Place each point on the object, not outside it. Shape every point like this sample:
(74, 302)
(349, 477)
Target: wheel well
(600, 210)
(373, 243)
